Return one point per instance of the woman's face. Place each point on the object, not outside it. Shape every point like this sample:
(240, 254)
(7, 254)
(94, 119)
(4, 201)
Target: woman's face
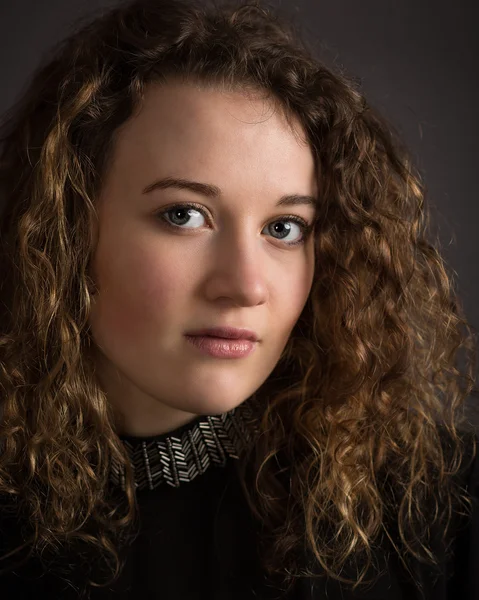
(228, 262)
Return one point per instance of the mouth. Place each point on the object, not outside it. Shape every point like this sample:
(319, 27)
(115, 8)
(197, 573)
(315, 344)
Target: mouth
(225, 333)
(220, 347)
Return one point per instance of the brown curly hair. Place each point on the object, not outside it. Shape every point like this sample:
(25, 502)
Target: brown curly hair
(358, 415)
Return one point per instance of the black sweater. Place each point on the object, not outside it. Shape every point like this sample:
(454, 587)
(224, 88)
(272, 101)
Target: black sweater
(198, 542)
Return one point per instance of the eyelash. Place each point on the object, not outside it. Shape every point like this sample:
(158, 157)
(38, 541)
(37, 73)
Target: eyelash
(306, 227)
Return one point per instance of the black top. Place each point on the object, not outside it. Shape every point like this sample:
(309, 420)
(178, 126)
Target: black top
(197, 541)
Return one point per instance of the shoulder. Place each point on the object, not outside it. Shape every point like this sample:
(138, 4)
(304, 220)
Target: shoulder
(463, 578)
(10, 525)
(468, 474)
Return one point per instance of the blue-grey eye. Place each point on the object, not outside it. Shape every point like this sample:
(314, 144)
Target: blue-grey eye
(182, 213)
(283, 228)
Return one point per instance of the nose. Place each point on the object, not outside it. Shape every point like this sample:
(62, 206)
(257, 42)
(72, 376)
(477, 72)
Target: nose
(238, 270)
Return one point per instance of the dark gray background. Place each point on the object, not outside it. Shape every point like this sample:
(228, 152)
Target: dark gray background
(417, 61)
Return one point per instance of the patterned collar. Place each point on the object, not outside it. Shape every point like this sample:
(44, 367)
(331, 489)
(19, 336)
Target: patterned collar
(179, 456)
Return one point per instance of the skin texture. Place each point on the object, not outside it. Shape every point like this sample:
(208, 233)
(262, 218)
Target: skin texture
(228, 267)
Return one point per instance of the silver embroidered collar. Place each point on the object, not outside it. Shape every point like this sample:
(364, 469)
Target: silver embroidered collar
(180, 456)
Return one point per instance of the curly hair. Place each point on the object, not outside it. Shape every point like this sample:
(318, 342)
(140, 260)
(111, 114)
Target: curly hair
(360, 421)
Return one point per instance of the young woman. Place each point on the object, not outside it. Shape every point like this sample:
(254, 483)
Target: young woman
(229, 355)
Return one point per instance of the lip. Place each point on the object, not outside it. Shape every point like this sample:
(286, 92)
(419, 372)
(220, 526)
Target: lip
(222, 347)
(230, 333)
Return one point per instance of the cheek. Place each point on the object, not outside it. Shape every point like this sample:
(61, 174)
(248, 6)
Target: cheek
(139, 290)
(293, 294)
(301, 281)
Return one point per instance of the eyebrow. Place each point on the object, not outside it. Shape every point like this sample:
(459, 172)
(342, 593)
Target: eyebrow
(213, 191)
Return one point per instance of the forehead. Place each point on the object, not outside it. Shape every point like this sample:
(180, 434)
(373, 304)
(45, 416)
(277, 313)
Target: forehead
(228, 133)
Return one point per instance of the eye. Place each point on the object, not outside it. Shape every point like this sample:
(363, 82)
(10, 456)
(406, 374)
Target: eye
(183, 212)
(189, 216)
(283, 227)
